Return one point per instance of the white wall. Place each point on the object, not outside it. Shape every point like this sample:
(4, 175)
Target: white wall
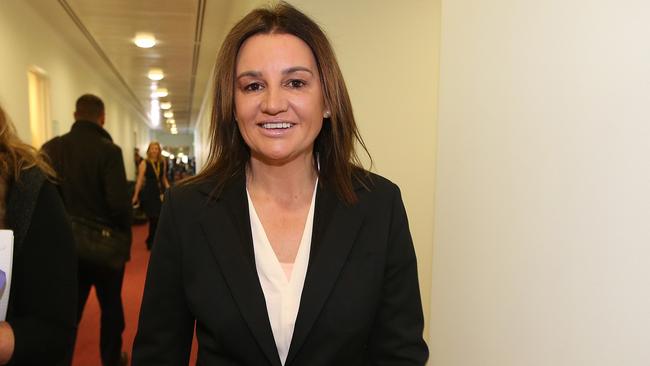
(542, 240)
(388, 52)
(28, 38)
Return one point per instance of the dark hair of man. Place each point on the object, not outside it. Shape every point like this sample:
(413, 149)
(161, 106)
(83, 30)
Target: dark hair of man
(335, 144)
(89, 107)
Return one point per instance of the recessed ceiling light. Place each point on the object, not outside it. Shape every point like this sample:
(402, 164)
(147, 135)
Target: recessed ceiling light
(165, 105)
(144, 40)
(168, 114)
(160, 93)
(156, 74)
(171, 121)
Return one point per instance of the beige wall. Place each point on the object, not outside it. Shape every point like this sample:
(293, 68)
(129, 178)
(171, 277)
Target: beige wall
(202, 127)
(388, 52)
(28, 38)
(542, 241)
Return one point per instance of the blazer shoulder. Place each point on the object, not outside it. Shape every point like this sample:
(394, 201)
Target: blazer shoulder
(379, 185)
(378, 195)
(190, 195)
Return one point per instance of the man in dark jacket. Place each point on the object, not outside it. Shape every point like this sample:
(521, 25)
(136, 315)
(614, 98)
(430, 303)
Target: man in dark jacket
(93, 185)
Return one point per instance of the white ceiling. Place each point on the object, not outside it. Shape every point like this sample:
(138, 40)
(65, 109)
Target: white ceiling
(188, 34)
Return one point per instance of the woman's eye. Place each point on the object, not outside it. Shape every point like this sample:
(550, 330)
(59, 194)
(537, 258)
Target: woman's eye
(296, 83)
(253, 87)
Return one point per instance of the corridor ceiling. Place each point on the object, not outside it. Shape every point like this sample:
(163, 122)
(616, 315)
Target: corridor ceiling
(188, 34)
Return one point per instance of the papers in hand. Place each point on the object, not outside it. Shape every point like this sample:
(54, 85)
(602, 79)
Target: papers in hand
(6, 261)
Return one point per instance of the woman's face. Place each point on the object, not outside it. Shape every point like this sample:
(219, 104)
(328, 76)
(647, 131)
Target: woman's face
(279, 103)
(154, 151)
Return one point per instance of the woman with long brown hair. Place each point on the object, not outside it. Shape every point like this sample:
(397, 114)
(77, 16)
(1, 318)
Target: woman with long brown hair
(150, 186)
(41, 315)
(283, 250)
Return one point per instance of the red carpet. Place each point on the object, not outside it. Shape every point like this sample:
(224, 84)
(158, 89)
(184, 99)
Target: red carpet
(87, 348)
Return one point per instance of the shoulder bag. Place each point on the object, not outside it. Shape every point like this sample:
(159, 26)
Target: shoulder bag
(100, 244)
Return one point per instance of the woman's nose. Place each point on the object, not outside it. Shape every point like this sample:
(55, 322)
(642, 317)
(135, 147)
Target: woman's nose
(274, 101)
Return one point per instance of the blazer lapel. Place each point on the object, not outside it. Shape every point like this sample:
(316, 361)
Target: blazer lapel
(226, 225)
(335, 228)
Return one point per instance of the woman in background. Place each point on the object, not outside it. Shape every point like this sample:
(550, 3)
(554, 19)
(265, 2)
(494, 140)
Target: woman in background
(41, 317)
(150, 187)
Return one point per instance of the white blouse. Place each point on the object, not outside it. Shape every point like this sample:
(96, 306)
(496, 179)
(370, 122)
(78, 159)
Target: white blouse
(281, 282)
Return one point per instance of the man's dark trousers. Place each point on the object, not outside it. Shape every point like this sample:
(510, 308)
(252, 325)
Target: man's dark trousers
(108, 287)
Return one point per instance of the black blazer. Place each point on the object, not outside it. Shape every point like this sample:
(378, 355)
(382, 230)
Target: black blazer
(43, 299)
(360, 303)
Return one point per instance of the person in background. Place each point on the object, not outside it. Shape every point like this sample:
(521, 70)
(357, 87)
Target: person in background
(283, 250)
(150, 187)
(137, 159)
(41, 316)
(93, 185)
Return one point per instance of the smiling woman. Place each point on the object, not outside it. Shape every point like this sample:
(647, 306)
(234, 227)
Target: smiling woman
(283, 250)
(278, 99)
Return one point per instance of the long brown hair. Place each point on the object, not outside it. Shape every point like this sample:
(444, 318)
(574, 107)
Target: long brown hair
(15, 155)
(155, 143)
(334, 147)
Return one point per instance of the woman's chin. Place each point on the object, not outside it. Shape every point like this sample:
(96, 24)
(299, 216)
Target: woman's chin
(278, 158)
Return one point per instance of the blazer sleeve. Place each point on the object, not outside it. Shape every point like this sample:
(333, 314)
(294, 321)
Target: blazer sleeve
(166, 325)
(115, 189)
(43, 298)
(396, 338)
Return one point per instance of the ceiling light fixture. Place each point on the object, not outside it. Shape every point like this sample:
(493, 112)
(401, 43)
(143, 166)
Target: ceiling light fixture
(154, 113)
(144, 40)
(156, 74)
(168, 114)
(171, 121)
(165, 105)
(160, 93)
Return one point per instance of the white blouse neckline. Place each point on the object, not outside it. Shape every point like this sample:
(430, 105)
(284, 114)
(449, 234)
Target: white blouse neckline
(282, 292)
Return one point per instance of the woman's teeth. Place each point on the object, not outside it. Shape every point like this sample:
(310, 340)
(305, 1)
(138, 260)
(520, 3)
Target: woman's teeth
(276, 125)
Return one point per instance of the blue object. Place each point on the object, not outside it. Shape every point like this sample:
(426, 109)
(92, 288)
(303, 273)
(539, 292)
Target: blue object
(3, 282)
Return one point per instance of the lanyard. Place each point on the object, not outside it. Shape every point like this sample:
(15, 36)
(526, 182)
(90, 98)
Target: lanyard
(156, 168)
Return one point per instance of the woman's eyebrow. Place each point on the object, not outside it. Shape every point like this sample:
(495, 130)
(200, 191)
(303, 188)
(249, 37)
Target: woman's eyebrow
(296, 69)
(290, 70)
(253, 74)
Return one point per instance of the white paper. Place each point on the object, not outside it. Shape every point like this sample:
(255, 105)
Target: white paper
(6, 261)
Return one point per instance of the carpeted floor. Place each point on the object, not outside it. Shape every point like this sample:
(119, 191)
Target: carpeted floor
(87, 347)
